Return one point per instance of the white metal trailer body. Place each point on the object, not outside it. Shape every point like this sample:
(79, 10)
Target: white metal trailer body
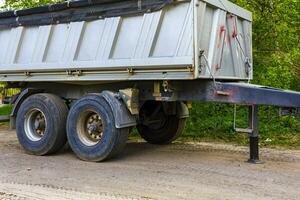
(165, 44)
(90, 70)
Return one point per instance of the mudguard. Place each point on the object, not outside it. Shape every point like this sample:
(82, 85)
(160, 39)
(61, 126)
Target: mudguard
(21, 97)
(123, 117)
(182, 110)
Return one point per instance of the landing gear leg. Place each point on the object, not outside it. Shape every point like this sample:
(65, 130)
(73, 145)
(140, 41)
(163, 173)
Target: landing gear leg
(254, 135)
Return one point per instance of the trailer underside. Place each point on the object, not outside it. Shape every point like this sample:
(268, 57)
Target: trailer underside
(135, 95)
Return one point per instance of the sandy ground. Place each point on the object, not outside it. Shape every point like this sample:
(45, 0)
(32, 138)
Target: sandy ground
(178, 171)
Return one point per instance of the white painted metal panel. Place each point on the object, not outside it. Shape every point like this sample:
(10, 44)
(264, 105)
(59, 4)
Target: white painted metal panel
(157, 45)
(88, 46)
(126, 38)
(173, 23)
(4, 41)
(226, 40)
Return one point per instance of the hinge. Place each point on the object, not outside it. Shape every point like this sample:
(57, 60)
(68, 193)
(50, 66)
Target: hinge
(130, 71)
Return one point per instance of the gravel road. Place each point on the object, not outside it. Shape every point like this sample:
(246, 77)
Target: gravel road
(178, 171)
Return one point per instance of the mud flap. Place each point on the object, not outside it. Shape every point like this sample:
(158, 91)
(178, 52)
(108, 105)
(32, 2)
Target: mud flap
(123, 117)
(130, 97)
(179, 109)
(182, 110)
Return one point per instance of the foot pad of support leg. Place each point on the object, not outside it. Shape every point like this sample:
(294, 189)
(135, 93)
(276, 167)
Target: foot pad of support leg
(255, 161)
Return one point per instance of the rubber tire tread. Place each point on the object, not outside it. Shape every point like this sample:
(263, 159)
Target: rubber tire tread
(59, 110)
(167, 135)
(120, 135)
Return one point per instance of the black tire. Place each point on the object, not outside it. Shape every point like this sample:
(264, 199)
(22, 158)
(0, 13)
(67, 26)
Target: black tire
(167, 128)
(42, 136)
(84, 144)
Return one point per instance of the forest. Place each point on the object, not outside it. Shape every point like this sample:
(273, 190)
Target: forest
(276, 48)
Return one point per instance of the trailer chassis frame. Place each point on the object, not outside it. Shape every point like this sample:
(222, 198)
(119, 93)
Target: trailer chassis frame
(235, 93)
(199, 90)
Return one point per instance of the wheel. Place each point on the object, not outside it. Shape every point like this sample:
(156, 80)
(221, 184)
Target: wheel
(91, 130)
(156, 126)
(41, 122)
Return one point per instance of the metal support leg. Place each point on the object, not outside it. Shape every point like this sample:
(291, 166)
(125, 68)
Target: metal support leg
(254, 136)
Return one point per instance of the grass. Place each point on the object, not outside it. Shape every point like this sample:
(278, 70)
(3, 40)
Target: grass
(5, 109)
(214, 123)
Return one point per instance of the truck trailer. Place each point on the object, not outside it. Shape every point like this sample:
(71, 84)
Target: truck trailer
(89, 71)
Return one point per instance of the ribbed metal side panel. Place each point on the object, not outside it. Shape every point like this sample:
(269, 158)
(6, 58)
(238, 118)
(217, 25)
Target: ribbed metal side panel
(159, 40)
(226, 40)
(160, 45)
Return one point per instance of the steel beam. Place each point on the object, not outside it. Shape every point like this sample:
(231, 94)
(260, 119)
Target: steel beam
(236, 93)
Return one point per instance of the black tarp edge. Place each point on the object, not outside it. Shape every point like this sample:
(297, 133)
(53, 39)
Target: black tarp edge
(83, 10)
(54, 7)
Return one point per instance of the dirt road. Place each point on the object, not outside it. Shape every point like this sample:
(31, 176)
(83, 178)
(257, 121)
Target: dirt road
(180, 171)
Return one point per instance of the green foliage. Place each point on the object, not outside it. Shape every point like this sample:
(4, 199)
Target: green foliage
(210, 122)
(5, 109)
(276, 48)
(19, 4)
(276, 41)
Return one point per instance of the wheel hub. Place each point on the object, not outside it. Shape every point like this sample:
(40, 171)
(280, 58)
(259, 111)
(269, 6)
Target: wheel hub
(94, 127)
(90, 128)
(35, 124)
(40, 124)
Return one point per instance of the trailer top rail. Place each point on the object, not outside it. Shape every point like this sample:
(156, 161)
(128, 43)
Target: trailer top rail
(76, 11)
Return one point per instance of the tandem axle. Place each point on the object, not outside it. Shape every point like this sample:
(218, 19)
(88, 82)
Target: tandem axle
(131, 107)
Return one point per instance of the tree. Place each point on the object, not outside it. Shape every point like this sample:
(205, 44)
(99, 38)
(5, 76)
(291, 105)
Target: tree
(13, 4)
(276, 41)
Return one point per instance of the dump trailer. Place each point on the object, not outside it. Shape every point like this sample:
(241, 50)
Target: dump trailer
(89, 71)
